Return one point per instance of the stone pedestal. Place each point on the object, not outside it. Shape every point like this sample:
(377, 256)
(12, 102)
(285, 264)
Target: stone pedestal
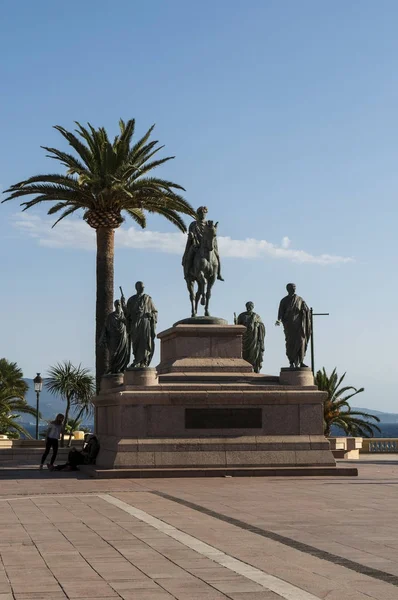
(142, 377)
(302, 377)
(202, 349)
(111, 381)
(207, 409)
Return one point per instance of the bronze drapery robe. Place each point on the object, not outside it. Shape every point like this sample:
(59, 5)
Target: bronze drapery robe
(141, 317)
(296, 319)
(116, 339)
(253, 342)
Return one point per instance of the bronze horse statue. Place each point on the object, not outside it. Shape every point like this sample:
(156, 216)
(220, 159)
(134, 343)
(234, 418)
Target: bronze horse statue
(204, 269)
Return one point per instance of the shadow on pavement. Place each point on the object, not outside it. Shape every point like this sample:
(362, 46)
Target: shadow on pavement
(36, 473)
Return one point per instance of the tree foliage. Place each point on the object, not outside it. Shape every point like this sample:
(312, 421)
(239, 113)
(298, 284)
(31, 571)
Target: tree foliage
(337, 410)
(105, 176)
(12, 399)
(104, 180)
(74, 384)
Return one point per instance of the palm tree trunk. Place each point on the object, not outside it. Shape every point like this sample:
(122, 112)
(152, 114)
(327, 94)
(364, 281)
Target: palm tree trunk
(74, 425)
(104, 306)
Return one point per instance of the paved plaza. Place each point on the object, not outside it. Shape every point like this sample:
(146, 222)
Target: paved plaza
(67, 536)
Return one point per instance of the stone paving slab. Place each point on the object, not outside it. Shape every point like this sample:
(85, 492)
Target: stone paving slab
(66, 537)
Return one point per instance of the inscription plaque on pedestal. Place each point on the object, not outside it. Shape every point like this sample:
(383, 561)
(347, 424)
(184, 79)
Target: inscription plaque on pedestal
(223, 418)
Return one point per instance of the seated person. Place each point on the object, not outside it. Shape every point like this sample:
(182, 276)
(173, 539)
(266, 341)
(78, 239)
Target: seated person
(86, 456)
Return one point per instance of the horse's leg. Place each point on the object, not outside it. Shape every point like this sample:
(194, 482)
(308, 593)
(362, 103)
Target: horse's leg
(190, 286)
(197, 298)
(201, 289)
(203, 275)
(210, 283)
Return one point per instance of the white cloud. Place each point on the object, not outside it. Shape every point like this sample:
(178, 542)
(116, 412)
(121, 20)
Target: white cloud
(74, 233)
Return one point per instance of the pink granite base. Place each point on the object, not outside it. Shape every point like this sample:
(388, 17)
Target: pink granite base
(232, 451)
(208, 409)
(206, 348)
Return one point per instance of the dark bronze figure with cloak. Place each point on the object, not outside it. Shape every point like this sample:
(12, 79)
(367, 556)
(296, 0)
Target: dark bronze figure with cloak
(115, 338)
(295, 316)
(253, 342)
(141, 316)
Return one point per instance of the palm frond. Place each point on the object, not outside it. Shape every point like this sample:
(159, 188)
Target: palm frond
(138, 146)
(360, 413)
(337, 410)
(137, 215)
(66, 213)
(80, 148)
(68, 160)
(68, 381)
(12, 397)
(11, 378)
(57, 207)
(10, 423)
(126, 132)
(346, 398)
(133, 171)
(172, 216)
(93, 141)
(21, 406)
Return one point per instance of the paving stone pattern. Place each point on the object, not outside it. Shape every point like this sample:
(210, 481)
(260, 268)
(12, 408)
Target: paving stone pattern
(59, 539)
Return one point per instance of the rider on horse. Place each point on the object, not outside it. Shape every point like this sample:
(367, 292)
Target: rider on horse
(195, 235)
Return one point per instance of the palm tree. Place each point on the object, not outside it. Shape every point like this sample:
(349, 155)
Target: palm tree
(70, 383)
(11, 408)
(337, 410)
(11, 378)
(12, 398)
(104, 179)
(83, 404)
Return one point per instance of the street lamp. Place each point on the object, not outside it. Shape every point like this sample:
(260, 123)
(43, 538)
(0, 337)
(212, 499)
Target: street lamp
(38, 388)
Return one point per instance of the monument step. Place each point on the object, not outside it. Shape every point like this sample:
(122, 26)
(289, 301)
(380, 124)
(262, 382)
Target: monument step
(230, 366)
(219, 378)
(145, 473)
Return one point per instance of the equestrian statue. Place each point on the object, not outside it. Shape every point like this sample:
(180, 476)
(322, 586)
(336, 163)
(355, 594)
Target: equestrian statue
(201, 261)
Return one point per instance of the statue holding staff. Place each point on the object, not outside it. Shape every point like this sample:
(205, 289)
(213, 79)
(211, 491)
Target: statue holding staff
(253, 342)
(295, 316)
(141, 316)
(115, 338)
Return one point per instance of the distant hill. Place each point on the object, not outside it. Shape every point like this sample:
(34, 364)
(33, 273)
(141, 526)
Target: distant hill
(383, 416)
(388, 423)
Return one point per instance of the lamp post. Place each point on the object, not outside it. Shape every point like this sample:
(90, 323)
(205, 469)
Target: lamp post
(312, 336)
(38, 388)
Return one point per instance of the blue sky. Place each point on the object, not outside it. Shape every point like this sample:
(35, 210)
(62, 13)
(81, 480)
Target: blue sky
(282, 118)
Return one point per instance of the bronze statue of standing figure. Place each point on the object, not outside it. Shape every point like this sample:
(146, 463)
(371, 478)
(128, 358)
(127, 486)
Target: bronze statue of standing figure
(201, 261)
(115, 338)
(253, 342)
(141, 316)
(295, 316)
